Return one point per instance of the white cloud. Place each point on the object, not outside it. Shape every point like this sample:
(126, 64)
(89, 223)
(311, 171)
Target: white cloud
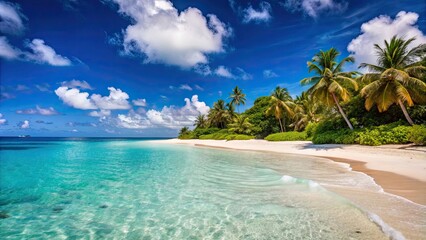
(46, 54)
(139, 102)
(117, 99)
(257, 16)
(25, 124)
(383, 28)
(74, 98)
(76, 84)
(314, 8)
(185, 87)
(238, 73)
(101, 113)
(170, 116)
(7, 51)
(224, 72)
(269, 74)
(41, 53)
(11, 19)
(203, 69)
(2, 120)
(38, 110)
(164, 35)
(243, 74)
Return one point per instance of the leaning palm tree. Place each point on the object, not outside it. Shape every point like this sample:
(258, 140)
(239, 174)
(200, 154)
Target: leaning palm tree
(280, 106)
(240, 125)
(330, 85)
(200, 121)
(218, 115)
(238, 97)
(396, 79)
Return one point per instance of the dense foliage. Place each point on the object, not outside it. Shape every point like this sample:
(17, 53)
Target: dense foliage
(287, 136)
(335, 101)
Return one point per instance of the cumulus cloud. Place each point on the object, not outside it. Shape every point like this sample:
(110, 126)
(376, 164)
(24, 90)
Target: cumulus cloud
(43, 53)
(74, 98)
(11, 19)
(263, 14)
(76, 84)
(383, 28)
(224, 72)
(24, 125)
(269, 74)
(185, 87)
(101, 113)
(170, 116)
(117, 99)
(7, 51)
(164, 35)
(314, 8)
(38, 110)
(139, 102)
(2, 120)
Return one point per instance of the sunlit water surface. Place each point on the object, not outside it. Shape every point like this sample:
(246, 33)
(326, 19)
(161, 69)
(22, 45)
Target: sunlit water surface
(126, 189)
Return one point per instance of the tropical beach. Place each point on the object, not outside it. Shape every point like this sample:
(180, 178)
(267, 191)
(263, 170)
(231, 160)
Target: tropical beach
(227, 119)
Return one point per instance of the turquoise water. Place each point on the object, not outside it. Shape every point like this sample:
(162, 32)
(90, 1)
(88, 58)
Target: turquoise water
(127, 189)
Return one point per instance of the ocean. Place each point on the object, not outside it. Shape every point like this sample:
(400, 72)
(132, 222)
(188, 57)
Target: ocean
(87, 188)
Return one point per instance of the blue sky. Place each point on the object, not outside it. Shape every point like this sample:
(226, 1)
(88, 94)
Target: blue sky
(148, 67)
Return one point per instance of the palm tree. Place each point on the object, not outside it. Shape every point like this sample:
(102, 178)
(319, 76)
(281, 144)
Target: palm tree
(396, 79)
(218, 115)
(230, 110)
(330, 84)
(280, 104)
(240, 125)
(184, 131)
(200, 121)
(305, 111)
(238, 97)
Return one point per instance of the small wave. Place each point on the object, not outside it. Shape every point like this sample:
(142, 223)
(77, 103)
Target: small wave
(388, 230)
(292, 180)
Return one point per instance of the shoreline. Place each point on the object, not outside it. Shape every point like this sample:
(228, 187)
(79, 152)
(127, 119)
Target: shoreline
(399, 169)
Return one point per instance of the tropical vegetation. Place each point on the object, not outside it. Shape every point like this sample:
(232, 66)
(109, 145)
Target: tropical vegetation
(385, 105)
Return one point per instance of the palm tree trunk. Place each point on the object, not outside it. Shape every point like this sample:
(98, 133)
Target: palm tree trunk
(342, 112)
(404, 110)
(285, 130)
(281, 125)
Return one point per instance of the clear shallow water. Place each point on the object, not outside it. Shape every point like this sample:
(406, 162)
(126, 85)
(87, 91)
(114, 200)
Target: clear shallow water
(118, 189)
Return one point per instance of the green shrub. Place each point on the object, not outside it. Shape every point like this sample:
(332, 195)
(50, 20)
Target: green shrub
(204, 131)
(385, 134)
(418, 134)
(222, 135)
(287, 136)
(239, 137)
(310, 129)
